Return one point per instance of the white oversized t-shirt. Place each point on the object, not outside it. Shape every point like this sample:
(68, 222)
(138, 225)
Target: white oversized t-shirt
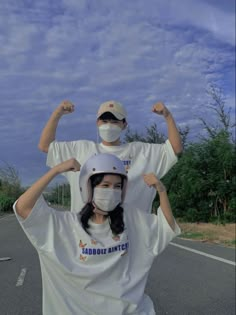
(139, 158)
(100, 273)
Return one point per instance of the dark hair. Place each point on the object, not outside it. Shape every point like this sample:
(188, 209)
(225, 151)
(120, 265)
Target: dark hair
(115, 217)
(108, 115)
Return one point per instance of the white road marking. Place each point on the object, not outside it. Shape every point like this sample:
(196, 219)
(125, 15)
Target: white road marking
(5, 258)
(21, 278)
(230, 262)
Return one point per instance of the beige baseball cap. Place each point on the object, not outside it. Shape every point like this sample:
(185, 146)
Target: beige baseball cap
(113, 107)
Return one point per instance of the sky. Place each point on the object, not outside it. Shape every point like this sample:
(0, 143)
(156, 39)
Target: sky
(137, 52)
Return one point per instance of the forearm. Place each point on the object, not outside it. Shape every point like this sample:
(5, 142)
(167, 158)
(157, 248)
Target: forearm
(166, 208)
(152, 181)
(28, 199)
(173, 134)
(49, 132)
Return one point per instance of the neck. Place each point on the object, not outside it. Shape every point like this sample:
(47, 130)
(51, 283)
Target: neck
(99, 216)
(109, 144)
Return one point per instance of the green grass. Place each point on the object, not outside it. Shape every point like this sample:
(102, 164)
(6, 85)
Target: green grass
(192, 235)
(230, 243)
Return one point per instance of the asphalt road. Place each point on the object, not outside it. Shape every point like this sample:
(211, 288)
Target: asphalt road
(181, 282)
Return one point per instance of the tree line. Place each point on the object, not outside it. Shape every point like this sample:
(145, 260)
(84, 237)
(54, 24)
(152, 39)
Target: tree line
(201, 186)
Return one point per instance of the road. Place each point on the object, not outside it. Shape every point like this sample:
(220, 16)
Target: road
(181, 282)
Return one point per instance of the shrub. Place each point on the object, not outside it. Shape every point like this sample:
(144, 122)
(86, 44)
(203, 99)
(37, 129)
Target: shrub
(6, 203)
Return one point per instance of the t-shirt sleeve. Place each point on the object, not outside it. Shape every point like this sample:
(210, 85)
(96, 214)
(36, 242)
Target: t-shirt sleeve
(153, 231)
(162, 234)
(60, 151)
(161, 157)
(41, 226)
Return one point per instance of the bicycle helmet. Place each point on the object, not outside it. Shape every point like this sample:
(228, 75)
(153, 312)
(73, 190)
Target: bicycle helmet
(99, 164)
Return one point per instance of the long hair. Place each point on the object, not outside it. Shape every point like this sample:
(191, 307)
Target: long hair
(115, 216)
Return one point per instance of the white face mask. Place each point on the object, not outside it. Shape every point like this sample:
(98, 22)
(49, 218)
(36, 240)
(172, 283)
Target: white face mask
(106, 199)
(109, 132)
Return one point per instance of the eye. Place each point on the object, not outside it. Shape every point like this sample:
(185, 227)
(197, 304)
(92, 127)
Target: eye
(104, 185)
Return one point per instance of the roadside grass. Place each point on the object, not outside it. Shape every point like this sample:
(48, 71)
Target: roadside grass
(209, 232)
(192, 235)
(230, 243)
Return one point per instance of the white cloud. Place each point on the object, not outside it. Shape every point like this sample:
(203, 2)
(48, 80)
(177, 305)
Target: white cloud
(137, 52)
(202, 15)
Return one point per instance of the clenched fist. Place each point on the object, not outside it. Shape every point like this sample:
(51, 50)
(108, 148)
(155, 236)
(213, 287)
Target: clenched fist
(160, 109)
(152, 181)
(69, 165)
(66, 107)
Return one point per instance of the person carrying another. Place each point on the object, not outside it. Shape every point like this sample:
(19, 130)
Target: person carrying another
(138, 157)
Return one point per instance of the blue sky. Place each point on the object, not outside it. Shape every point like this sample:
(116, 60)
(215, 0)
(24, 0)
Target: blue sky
(137, 52)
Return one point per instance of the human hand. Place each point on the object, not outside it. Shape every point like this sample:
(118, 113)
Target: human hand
(160, 109)
(65, 107)
(152, 181)
(69, 165)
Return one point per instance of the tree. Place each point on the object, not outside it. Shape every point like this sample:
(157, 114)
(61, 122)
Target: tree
(202, 185)
(184, 135)
(205, 175)
(152, 135)
(10, 186)
(60, 195)
(223, 119)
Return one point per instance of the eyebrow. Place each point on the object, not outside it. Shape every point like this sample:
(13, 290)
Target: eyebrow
(107, 182)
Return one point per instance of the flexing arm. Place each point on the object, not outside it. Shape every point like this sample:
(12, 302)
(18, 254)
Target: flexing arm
(49, 132)
(152, 181)
(173, 133)
(27, 201)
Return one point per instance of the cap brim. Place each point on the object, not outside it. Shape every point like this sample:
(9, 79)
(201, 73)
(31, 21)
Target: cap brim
(117, 115)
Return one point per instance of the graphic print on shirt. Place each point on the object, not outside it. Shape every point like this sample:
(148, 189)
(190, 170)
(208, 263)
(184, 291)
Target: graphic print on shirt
(81, 244)
(93, 242)
(82, 258)
(94, 249)
(116, 238)
(127, 162)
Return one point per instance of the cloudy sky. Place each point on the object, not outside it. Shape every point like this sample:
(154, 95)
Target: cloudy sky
(89, 51)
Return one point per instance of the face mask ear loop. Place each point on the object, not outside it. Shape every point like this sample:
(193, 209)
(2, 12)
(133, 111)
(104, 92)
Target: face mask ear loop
(94, 205)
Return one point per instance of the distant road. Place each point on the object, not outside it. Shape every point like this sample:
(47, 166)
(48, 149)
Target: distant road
(181, 282)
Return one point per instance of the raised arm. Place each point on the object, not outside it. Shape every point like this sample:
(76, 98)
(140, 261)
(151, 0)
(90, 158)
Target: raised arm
(173, 133)
(152, 181)
(49, 132)
(28, 199)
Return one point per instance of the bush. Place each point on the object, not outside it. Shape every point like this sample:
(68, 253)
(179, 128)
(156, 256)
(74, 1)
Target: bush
(191, 215)
(6, 203)
(230, 217)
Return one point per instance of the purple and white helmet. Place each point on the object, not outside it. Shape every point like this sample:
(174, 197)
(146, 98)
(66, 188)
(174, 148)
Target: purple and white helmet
(100, 164)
